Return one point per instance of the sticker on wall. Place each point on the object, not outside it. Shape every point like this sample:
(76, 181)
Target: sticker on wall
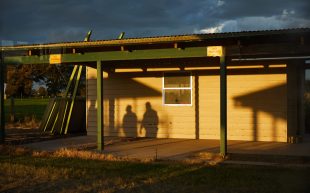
(55, 58)
(214, 51)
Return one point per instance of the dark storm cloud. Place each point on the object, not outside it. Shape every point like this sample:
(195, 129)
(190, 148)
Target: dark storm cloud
(238, 15)
(246, 8)
(59, 20)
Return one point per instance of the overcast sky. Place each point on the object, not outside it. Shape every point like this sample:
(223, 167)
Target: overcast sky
(41, 21)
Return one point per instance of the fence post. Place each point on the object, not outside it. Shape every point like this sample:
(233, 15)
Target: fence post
(2, 116)
(12, 109)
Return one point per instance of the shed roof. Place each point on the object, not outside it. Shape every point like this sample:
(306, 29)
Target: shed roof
(161, 39)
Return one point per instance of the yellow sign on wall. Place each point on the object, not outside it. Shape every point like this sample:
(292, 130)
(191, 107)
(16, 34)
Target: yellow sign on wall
(214, 51)
(55, 58)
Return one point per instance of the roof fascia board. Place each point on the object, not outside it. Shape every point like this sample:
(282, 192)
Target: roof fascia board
(112, 56)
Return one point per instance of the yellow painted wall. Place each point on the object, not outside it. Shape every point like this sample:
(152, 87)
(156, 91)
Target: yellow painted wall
(256, 107)
(91, 97)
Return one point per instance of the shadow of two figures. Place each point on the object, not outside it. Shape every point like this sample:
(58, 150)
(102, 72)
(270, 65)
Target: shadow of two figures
(149, 122)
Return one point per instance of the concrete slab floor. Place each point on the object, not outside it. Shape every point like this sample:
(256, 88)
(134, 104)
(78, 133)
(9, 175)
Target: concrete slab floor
(172, 149)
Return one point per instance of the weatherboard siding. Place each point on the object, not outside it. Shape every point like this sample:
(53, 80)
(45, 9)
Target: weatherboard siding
(256, 107)
(253, 111)
(91, 96)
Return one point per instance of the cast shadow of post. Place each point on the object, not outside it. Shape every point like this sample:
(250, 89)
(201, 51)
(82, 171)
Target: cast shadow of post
(116, 90)
(150, 121)
(267, 100)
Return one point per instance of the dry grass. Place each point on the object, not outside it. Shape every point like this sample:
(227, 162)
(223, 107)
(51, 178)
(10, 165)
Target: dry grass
(14, 150)
(88, 155)
(206, 158)
(72, 170)
(28, 122)
(11, 150)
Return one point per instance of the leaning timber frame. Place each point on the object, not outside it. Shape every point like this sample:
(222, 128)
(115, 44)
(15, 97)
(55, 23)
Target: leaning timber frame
(281, 45)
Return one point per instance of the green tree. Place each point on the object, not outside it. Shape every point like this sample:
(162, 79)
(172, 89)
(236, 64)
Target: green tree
(41, 91)
(20, 79)
(56, 78)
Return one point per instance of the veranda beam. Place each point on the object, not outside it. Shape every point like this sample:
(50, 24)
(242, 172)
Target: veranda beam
(112, 56)
(100, 121)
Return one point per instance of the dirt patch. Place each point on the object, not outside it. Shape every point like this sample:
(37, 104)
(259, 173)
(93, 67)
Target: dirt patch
(19, 136)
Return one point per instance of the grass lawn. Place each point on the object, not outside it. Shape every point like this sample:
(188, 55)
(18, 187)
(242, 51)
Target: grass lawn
(25, 172)
(26, 107)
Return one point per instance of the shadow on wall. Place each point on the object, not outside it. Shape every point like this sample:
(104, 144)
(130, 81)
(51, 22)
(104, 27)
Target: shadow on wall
(271, 100)
(149, 121)
(130, 121)
(148, 124)
(127, 89)
(121, 90)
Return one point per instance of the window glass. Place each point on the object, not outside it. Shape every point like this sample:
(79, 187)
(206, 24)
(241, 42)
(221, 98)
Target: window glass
(177, 89)
(177, 81)
(177, 96)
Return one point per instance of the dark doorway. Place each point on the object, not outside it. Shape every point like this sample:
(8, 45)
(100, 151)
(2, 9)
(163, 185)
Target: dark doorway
(307, 101)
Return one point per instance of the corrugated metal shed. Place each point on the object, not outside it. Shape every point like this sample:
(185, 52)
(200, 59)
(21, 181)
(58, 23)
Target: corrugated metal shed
(160, 39)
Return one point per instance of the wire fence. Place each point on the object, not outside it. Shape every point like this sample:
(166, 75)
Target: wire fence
(24, 111)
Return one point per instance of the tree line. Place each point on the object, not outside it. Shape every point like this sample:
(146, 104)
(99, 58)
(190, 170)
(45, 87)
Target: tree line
(39, 80)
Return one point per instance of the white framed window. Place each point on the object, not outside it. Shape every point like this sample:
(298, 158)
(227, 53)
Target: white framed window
(177, 89)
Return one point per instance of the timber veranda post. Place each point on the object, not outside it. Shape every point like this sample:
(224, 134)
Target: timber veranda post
(2, 115)
(100, 121)
(223, 103)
